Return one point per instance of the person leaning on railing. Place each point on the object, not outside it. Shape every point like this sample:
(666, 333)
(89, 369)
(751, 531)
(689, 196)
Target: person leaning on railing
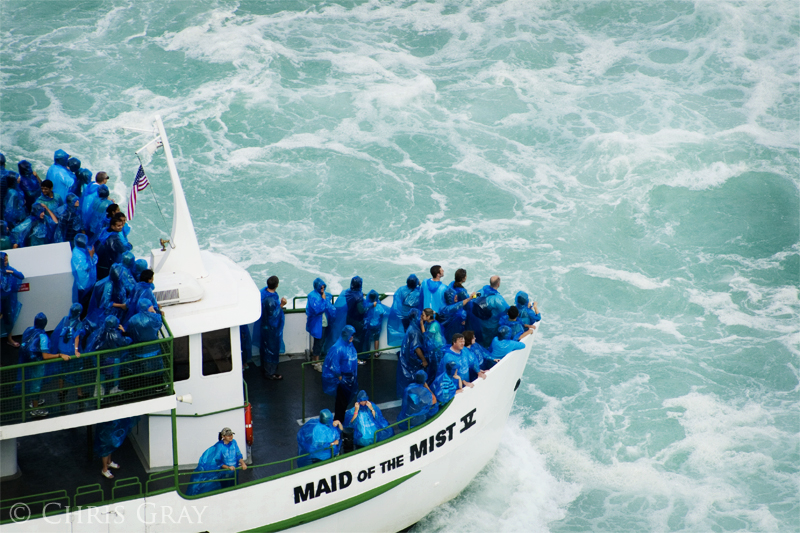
(35, 346)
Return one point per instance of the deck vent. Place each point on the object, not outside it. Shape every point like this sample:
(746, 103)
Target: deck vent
(166, 296)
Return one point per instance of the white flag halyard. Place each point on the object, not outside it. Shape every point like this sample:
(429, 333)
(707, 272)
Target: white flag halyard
(140, 183)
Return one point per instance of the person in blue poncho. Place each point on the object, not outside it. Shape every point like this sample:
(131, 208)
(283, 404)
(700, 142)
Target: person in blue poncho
(84, 178)
(486, 311)
(127, 261)
(110, 251)
(110, 336)
(510, 320)
(216, 468)
(366, 420)
(29, 182)
(405, 299)
(528, 311)
(419, 402)
(503, 344)
(90, 194)
(453, 316)
(272, 321)
(413, 356)
(108, 299)
(142, 290)
(74, 166)
(373, 322)
(433, 289)
(94, 216)
(465, 363)
(448, 383)
(66, 339)
(70, 223)
(458, 284)
(350, 310)
(479, 356)
(434, 343)
(144, 327)
(59, 174)
(10, 280)
(35, 346)
(84, 271)
(39, 228)
(340, 372)
(319, 438)
(320, 316)
(14, 211)
(49, 198)
(108, 437)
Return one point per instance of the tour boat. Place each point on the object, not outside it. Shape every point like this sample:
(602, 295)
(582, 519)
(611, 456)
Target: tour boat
(50, 482)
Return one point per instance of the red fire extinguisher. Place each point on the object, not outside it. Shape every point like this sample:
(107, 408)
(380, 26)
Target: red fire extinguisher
(248, 424)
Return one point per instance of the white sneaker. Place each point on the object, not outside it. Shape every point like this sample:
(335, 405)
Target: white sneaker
(102, 391)
(115, 390)
(38, 413)
(317, 367)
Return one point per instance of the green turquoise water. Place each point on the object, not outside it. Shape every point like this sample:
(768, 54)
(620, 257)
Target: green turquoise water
(632, 165)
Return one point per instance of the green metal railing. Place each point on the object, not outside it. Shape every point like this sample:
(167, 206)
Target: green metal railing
(91, 381)
(296, 309)
(371, 360)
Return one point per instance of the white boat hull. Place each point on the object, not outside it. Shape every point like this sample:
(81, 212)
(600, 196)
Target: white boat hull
(465, 436)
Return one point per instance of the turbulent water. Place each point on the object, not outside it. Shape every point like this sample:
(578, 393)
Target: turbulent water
(632, 165)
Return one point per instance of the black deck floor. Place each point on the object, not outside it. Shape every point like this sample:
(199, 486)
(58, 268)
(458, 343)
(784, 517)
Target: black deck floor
(64, 460)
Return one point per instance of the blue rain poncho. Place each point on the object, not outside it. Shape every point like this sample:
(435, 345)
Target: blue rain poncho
(62, 340)
(84, 269)
(60, 175)
(106, 293)
(214, 458)
(109, 436)
(485, 314)
(29, 183)
(316, 437)
(271, 329)
(460, 291)
(341, 362)
(350, 310)
(70, 222)
(452, 316)
(74, 166)
(526, 313)
(94, 214)
(14, 211)
(418, 402)
(39, 228)
(365, 424)
(434, 349)
(110, 252)
(433, 294)
(108, 337)
(10, 281)
(89, 195)
(480, 357)
(5, 236)
(126, 275)
(141, 291)
(405, 299)
(316, 308)
(373, 320)
(504, 345)
(515, 326)
(33, 345)
(139, 266)
(463, 362)
(144, 326)
(84, 178)
(446, 384)
(408, 363)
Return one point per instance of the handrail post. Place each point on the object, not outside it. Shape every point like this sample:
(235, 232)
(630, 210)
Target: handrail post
(372, 377)
(303, 380)
(98, 387)
(175, 448)
(24, 388)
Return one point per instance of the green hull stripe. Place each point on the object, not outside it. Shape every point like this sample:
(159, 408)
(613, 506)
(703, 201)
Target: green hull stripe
(331, 509)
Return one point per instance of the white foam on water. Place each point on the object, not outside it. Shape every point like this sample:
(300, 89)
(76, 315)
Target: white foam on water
(639, 281)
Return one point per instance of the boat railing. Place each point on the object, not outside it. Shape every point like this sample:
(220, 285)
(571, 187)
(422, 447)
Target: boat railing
(365, 356)
(295, 309)
(91, 381)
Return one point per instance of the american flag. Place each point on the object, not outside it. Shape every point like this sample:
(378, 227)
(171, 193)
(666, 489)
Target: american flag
(139, 184)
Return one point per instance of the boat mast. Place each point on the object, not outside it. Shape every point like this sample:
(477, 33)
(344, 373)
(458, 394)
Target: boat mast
(183, 252)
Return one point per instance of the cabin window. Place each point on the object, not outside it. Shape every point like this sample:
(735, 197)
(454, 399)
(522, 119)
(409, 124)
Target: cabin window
(180, 358)
(217, 352)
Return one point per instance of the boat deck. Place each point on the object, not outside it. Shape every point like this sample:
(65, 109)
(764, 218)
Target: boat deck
(64, 460)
